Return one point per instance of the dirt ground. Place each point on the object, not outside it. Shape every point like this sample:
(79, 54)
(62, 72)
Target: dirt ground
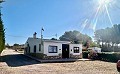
(15, 63)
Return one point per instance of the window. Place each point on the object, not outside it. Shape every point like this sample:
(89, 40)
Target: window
(39, 47)
(52, 49)
(76, 49)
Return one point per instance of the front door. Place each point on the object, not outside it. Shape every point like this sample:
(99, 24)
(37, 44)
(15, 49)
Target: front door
(65, 51)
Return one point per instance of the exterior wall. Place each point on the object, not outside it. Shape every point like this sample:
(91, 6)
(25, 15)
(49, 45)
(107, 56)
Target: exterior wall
(46, 45)
(75, 55)
(59, 53)
(44, 54)
(48, 55)
(33, 42)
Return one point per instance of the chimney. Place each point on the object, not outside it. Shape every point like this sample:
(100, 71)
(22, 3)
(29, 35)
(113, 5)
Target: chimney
(34, 35)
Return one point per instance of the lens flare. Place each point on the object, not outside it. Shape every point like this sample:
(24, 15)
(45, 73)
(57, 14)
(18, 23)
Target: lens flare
(104, 2)
(108, 15)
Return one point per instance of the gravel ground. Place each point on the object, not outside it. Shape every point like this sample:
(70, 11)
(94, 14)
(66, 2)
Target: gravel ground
(79, 67)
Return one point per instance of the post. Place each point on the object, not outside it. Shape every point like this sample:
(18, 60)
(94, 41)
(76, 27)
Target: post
(41, 37)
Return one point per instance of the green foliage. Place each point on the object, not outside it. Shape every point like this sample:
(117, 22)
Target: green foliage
(16, 44)
(53, 39)
(2, 36)
(37, 55)
(108, 36)
(75, 37)
(93, 44)
(85, 54)
(110, 57)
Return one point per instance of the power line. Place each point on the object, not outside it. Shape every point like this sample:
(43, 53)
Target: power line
(16, 36)
(26, 37)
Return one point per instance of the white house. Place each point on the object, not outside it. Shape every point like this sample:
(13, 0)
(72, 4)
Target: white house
(52, 49)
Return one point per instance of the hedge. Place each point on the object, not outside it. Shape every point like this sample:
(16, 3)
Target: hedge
(110, 57)
(85, 54)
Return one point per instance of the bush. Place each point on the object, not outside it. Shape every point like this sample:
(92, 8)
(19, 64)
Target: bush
(85, 54)
(37, 55)
(110, 57)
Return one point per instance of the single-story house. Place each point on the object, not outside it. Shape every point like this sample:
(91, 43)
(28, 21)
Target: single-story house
(52, 49)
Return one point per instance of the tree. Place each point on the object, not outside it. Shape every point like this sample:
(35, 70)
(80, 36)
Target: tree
(15, 44)
(87, 44)
(75, 37)
(93, 44)
(53, 39)
(108, 37)
(2, 35)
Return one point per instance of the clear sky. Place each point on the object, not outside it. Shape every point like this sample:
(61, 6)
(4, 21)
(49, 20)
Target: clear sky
(24, 17)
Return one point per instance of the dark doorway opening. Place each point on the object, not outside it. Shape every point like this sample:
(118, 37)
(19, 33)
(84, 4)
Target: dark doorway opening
(34, 48)
(65, 51)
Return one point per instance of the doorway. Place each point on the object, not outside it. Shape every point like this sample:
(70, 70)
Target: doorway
(34, 48)
(65, 51)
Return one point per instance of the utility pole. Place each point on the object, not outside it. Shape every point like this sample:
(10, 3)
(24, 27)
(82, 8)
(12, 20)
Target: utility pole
(41, 37)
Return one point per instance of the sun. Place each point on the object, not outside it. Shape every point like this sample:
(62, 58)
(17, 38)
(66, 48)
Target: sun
(104, 2)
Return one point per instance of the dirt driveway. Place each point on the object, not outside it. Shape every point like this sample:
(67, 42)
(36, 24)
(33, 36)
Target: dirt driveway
(16, 63)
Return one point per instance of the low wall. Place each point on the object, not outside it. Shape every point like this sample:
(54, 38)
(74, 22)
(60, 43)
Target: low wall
(76, 56)
(53, 57)
(44, 56)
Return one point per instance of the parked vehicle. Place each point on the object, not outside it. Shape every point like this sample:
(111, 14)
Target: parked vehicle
(118, 66)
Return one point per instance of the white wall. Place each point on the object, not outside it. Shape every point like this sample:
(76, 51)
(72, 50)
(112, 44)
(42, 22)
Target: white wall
(33, 42)
(44, 49)
(46, 45)
(75, 45)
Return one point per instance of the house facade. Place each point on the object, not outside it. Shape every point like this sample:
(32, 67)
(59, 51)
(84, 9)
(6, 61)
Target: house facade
(52, 49)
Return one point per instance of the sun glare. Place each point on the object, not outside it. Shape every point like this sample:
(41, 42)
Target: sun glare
(104, 2)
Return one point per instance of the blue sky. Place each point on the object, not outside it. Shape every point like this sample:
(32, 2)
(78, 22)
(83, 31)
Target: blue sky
(24, 17)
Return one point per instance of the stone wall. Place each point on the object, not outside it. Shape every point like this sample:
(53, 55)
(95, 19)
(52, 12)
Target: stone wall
(76, 56)
(44, 56)
(52, 57)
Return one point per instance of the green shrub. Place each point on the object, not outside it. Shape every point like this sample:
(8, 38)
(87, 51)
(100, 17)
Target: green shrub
(110, 57)
(85, 54)
(37, 55)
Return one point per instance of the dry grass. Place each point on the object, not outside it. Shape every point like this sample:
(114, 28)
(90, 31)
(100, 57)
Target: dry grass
(80, 67)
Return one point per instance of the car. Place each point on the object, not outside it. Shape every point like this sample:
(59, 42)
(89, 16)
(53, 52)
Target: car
(118, 66)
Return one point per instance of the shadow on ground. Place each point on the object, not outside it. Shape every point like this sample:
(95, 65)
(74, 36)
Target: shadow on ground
(17, 60)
